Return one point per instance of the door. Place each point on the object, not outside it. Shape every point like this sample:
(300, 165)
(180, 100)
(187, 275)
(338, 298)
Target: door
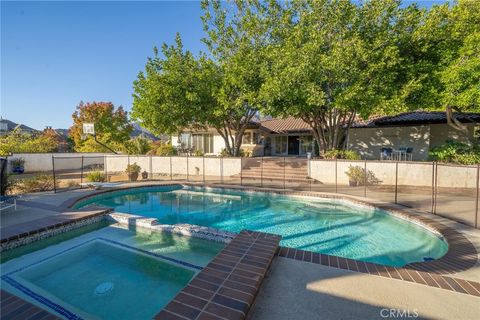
(293, 145)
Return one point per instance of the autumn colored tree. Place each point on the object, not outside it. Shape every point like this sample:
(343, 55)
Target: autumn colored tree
(111, 126)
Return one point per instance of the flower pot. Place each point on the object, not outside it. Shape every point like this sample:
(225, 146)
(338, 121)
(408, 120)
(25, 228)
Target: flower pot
(352, 183)
(19, 169)
(132, 176)
(144, 175)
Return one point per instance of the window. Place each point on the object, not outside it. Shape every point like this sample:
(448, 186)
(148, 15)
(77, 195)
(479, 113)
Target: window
(306, 144)
(247, 138)
(281, 145)
(202, 142)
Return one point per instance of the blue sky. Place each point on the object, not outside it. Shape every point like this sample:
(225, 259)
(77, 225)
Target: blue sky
(55, 54)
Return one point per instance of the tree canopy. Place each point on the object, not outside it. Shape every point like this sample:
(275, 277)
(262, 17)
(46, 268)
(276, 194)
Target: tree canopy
(111, 126)
(325, 61)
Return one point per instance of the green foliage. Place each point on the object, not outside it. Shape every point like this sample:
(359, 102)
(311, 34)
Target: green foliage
(17, 142)
(165, 149)
(341, 154)
(42, 182)
(198, 153)
(111, 126)
(96, 176)
(357, 176)
(456, 152)
(137, 145)
(133, 168)
(17, 162)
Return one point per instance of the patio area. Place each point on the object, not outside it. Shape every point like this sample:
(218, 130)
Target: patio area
(300, 284)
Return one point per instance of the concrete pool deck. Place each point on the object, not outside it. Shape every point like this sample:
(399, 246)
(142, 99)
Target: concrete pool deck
(301, 290)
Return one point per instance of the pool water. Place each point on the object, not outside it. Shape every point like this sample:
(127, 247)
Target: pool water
(327, 226)
(110, 273)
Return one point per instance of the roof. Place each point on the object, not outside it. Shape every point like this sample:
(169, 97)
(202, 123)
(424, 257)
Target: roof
(282, 125)
(416, 118)
(10, 125)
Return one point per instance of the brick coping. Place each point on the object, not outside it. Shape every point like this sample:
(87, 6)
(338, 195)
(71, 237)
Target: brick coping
(461, 255)
(226, 288)
(15, 308)
(406, 273)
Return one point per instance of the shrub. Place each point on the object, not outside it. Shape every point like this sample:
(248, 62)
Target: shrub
(96, 176)
(166, 149)
(224, 153)
(17, 162)
(341, 154)
(356, 175)
(198, 153)
(42, 182)
(456, 152)
(133, 168)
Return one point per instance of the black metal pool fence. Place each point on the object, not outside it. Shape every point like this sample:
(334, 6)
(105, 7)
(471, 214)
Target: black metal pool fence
(448, 190)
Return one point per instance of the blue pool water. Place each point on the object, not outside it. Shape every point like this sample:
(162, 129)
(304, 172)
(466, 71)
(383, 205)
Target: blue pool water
(108, 273)
(321, 225)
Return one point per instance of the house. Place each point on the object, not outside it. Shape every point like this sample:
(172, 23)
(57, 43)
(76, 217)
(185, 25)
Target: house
(7, 126)
(291, 136)
(417, 130)
(272, 137)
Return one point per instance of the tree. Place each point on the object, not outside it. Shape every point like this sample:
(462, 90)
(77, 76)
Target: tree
(221, 90)
(445, 57)
(111, 126)
(18, 142)
(331, 61)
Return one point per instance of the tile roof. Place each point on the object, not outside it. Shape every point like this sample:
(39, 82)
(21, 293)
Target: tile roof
(415, 117)
(283, 125)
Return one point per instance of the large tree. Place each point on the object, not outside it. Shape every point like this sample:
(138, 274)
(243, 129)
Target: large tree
(221, 89)
(111, 126)
(452, 34)
(332, 61)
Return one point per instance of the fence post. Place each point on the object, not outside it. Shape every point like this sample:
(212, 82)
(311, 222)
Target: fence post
(476, 203)
(151, 168)
(435, 185)
(203, 169)
(81, 174)
(365, 180)
(171, 175)
(283, 172)
(53, 174)
(128, 165)
(261, 174)
(241, 170)
(396, 182)
(336, 175)
(221, 169)
(105, 169)
(187, 167)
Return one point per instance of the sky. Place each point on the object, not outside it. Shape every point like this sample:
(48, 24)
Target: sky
(56, 54)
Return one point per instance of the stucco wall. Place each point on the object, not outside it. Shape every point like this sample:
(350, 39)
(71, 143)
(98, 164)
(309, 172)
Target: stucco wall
(368, 141)
(41, 162)
(409, 173)
(440, 133)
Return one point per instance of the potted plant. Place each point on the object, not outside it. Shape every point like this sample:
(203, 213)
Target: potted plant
(144, 175)
(355, 175)
(17, 165)
(132, 171)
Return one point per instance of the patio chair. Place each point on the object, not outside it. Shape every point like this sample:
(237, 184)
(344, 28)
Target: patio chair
(409, 153)
(386, 154)
(8, 202)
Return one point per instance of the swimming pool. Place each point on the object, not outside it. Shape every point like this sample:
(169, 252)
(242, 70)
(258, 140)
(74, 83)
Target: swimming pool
(335, 227)
(108, 273)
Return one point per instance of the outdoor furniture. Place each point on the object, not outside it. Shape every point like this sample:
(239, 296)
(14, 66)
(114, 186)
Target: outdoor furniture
(8, 202)
(402, 154)
(386, 154)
